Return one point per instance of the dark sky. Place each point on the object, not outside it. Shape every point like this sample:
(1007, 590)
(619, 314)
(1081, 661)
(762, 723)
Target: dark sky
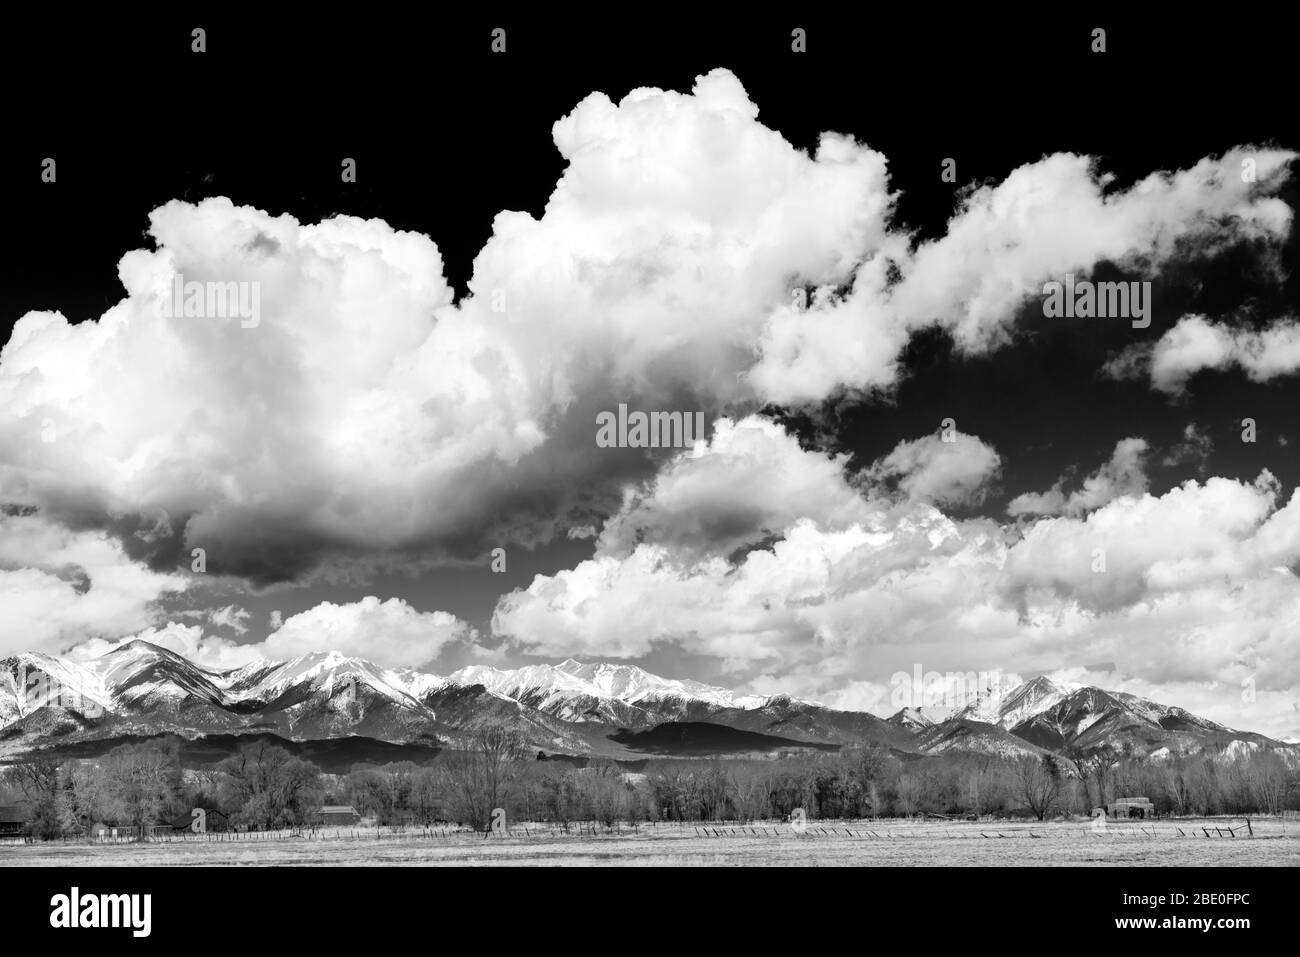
(446, 134)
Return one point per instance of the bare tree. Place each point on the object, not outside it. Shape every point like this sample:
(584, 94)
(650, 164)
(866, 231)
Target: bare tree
(909, 793)
(1094, 767)
(1269, 782)
(140, 782)
(474, 782)
(751, 788)
(47, 789)
(1038, 783)
(37, 778)
(267, 786)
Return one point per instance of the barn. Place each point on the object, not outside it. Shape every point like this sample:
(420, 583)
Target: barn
(332, 814)
(15, 819)
(214, 821)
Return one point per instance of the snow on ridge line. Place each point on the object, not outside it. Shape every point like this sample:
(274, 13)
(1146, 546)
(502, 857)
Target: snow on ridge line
(322, 669)
(627, 684)
(101, 677)
(624, 683)
(1011, 706)
(262, 678)
(67, 674)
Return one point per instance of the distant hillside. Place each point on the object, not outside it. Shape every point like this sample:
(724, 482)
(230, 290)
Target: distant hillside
(334, 755)
(698, 737)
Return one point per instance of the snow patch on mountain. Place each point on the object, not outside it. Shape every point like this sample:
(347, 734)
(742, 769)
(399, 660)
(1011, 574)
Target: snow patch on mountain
(32, 680)
(911, 718)
(329, 672)
(549, 686)
(1008, 708)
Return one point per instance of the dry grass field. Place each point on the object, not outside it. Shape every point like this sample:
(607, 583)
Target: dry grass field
(838, 844)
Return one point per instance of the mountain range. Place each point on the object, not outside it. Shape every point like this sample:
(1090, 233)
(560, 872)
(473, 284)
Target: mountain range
(139, 689)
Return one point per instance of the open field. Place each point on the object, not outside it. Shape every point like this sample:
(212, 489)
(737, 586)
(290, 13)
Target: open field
(840, 844)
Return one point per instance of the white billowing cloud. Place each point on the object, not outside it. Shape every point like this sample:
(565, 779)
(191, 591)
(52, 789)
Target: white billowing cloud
(231, 617)
(1051, 502)
(301, 428)
(60, 587)
(205, 650)
(390, 633)
(1194, 587)
(1196, 343)
(1056, 216)
(679, 222)
(750, 481)
(953, 470)
(1124, 473)
(804, 588)
(1183, 539)
(851, 340)
(1046, 219)
(365, 412)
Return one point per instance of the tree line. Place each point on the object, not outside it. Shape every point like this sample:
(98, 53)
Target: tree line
(263, 786)
(140, 785)
(466, 787)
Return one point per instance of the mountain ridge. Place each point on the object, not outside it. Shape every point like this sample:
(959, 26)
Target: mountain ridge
(594, 708)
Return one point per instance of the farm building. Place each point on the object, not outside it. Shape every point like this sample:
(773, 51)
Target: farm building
(213, 821)
(1130, 807)
(14, 820)
(336, 814)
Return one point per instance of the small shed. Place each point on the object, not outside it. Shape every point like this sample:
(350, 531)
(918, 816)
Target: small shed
(332, 814)
(1130, 807)
(15, 820)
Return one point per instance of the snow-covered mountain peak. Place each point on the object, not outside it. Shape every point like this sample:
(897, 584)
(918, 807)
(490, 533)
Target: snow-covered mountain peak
(628, 684)
(914, 719)
(319, 670)
(31, 680)
(1008, 708)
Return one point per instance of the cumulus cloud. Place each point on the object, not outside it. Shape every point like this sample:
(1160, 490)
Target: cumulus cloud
(750, 610)
(390, 633)
(1055, 216)
(749, 482)
(60, 587)
(1196, 343)
(953, 470)
(368, 417)
(190, 641)
(1193, 586)
(231, 617)
(1124, 473)
(365, 412)
(1185, 538)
